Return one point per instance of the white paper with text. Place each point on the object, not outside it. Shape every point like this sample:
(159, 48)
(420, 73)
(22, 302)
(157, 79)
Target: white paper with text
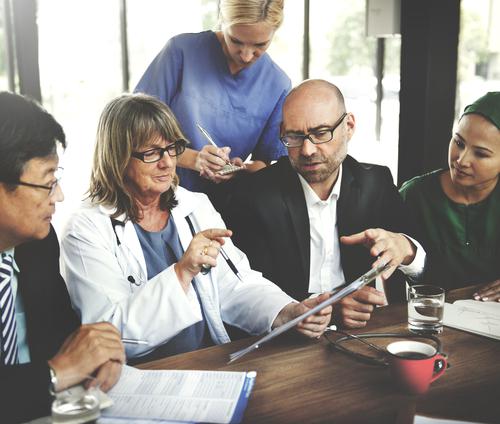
(474, 316)
(200, 396)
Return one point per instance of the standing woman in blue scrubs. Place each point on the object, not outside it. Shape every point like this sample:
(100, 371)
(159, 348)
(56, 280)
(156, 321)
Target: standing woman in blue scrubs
(227, 83)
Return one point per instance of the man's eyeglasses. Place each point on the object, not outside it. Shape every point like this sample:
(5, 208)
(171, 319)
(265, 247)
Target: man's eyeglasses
(50, 188)
(323, 135)
(154, 155)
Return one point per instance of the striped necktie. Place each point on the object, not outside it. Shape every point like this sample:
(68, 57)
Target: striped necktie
(8, 326)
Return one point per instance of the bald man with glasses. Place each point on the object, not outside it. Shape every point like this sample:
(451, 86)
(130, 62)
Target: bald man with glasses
(318, 219)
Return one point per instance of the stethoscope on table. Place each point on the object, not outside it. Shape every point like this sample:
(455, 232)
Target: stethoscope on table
(381, 360)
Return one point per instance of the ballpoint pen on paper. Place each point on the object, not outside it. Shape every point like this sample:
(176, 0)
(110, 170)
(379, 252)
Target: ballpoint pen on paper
(228, 167)
(134, 341)
(335, 297)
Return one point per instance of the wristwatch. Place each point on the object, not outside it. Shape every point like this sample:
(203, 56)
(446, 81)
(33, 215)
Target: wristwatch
(53, 381)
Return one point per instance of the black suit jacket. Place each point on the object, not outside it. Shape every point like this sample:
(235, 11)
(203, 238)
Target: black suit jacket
(268, 215)
(24, 389)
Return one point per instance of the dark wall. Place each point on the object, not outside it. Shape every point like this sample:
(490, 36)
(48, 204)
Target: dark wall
(429, 48)
(26, 46)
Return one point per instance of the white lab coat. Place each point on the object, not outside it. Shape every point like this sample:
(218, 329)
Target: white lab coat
(97, 270)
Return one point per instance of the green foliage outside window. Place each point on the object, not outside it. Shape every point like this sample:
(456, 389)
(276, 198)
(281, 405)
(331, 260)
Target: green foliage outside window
(473, 47)
(352, 50)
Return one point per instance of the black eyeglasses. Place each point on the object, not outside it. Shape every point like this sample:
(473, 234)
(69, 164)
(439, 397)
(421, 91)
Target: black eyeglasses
(51, 188)
(320, 136)
(154, 155)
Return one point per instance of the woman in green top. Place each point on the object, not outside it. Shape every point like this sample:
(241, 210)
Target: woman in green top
(458, 209)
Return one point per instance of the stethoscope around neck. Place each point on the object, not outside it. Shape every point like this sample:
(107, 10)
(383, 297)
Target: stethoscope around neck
(116, 222)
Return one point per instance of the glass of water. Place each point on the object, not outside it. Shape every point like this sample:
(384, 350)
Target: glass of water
(78, 404)
(425, 309)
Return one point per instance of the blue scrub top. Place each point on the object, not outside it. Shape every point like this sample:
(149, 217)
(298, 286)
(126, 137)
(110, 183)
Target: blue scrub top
(161, 249)
(242, 111)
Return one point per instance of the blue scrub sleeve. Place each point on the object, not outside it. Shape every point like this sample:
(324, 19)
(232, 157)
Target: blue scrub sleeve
(163, 79)
(269, 146)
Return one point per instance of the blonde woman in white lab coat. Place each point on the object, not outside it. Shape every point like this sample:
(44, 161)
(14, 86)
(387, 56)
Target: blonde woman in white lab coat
(134, 252)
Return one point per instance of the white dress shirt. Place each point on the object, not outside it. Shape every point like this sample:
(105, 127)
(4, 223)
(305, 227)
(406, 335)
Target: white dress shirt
(325, 272)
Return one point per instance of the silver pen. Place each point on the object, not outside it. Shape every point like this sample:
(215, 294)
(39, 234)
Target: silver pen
(134, 341)
(207, 135)
(228, 168)
(231, 264)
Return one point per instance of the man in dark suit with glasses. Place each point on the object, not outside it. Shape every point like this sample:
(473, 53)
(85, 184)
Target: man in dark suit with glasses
(318, 218)
(43, 348)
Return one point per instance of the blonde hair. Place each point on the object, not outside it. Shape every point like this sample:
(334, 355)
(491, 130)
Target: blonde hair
(127, 124)
(246, 12)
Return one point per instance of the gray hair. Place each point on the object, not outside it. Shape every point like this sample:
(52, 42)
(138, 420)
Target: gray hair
(127, 124)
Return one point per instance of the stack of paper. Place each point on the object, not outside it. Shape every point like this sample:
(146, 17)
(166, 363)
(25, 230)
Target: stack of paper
(420, 419)
(192, 396)
(474, 316)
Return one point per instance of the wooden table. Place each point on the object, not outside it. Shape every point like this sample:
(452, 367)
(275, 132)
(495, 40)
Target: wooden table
(306, 381)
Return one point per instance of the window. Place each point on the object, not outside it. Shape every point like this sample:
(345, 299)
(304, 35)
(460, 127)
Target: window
(151, 23)
(80, 69)
(478, 52)
(4, 79)
(286, 48)
(342, 54)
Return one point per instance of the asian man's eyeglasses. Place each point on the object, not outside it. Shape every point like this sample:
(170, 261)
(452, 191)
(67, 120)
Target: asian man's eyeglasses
(50, 188)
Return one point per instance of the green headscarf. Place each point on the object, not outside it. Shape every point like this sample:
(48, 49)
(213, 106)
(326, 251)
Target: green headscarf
(487, 106)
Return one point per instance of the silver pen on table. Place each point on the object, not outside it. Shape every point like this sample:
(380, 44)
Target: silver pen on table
(134, 341)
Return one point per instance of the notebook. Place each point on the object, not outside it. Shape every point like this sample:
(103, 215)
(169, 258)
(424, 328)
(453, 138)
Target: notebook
(474, 316)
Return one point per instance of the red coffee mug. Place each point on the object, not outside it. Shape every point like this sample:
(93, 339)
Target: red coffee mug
(413, 365)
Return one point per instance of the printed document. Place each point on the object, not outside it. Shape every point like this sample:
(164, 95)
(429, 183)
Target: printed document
(420, 419)
(199, 396)
(474, 316)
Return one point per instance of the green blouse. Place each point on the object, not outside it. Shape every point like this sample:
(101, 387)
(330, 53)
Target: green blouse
(462, 241)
